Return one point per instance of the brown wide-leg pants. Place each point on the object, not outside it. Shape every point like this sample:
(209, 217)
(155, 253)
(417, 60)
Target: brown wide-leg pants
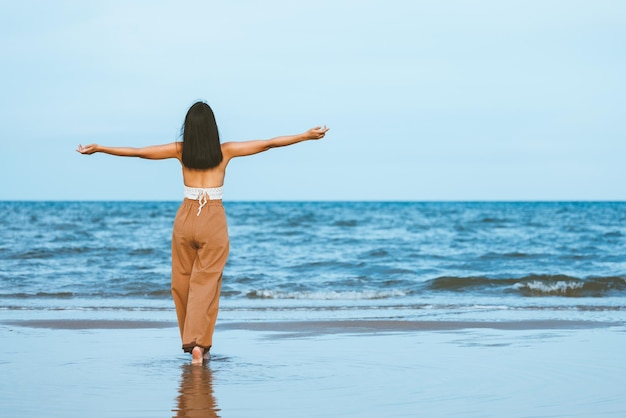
(199, 252)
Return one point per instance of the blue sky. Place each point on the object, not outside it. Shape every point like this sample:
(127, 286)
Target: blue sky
(426, 100)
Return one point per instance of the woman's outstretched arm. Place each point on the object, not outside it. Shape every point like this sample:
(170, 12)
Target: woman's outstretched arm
(154, 152)
(240, 149)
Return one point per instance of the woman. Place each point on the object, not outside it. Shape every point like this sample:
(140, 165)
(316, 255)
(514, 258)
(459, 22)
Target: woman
(200, 237)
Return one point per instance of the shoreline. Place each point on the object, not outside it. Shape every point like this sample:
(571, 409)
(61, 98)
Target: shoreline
(320, 327)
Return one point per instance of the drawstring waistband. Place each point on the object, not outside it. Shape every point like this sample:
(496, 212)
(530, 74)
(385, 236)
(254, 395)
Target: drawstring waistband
(202, 200)
(202, 195)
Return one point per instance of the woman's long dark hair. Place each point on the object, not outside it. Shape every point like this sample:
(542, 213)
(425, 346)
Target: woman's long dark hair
(201, 140)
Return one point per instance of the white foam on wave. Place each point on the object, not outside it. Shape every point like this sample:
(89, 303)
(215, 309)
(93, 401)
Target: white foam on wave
(549, 288)
(330, 295)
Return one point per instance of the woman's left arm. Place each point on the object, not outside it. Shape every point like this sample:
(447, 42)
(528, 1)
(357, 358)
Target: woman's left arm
(244, 148)
(154, 152)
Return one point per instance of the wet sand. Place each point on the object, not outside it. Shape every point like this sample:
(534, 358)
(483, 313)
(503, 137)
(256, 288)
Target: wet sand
(117, 368)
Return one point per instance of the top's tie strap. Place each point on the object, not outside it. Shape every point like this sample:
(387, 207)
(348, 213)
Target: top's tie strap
(202, 195)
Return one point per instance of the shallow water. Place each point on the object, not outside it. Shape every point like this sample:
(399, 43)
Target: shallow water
(132, 373)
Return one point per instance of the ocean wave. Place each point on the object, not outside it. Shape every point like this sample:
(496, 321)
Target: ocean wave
(557, 288)
(492, 220)
(328, 295)
(157, 294)
(377, 253)
(51, 253)
(533, 285)
(42, 295)
(514, 255)
(346, 223)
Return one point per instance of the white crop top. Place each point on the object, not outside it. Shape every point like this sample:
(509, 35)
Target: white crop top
(202, 195)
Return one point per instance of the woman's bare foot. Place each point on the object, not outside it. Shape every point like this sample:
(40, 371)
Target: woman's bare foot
(197, 355)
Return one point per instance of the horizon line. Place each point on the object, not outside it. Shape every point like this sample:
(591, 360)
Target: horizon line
(325, 200)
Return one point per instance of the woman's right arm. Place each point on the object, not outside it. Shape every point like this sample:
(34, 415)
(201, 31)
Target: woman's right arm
(154, 152)
(241, 149)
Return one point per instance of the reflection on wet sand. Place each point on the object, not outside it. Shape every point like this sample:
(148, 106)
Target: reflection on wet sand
(195, 397)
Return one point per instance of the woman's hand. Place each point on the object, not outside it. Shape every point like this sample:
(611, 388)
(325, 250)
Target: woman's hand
(317, 133)
(87, 149)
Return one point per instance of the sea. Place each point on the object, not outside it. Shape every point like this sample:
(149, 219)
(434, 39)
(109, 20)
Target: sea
(447, 261)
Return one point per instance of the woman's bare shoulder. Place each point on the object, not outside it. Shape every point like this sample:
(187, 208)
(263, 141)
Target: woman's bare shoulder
(229, 149)
(179, 149)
